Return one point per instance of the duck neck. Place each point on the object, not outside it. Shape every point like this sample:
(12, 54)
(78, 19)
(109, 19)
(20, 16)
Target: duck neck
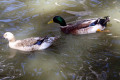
(62, 23)
(12, 40)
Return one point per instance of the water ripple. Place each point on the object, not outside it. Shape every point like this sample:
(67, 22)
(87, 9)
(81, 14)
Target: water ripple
(14, 7)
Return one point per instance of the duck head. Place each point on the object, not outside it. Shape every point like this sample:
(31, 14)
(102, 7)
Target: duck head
(9, 36)
(59, 20)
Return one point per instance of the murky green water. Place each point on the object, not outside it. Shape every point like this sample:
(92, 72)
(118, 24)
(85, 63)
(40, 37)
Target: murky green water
(84, 57)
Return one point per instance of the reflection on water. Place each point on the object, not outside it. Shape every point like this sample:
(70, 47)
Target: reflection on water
(84, 57)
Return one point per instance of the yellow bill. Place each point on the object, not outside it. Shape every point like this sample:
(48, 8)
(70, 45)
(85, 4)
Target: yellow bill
(50, 21)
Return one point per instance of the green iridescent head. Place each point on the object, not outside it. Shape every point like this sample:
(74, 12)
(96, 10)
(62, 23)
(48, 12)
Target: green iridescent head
(59, 20)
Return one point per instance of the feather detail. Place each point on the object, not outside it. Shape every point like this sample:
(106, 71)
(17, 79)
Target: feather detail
(39, 42)
(71, 28)
(29, 44)
(82, 26)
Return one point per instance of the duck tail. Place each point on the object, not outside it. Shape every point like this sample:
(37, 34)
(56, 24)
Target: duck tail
(103, 21)
(57, 37)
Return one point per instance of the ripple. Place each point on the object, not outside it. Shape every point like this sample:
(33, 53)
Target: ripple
(7, 20)
(13, 7)
(6, 1)
(69, 5)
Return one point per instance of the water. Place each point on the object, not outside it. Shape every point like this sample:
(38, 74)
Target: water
(84, 57)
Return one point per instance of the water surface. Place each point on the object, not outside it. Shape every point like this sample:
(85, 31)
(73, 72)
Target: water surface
(84, 57)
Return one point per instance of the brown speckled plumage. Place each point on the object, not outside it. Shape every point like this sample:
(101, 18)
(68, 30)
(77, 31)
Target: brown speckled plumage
(73, 28)
(29, 44)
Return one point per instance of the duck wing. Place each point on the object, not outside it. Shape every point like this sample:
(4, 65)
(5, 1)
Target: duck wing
(78, 25)
(39, 42)
(83, 23)
(28, 41)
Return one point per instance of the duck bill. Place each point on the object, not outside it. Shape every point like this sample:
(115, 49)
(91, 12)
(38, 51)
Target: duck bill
(50, 21)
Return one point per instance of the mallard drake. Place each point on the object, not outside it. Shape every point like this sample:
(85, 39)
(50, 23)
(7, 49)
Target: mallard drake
(29, 44)
(85, 26)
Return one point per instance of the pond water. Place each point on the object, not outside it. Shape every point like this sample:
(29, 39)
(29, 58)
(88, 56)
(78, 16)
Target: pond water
(83, 57)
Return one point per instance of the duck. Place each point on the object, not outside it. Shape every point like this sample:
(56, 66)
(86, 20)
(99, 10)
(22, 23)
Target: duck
(85, 26)
(29, 44)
